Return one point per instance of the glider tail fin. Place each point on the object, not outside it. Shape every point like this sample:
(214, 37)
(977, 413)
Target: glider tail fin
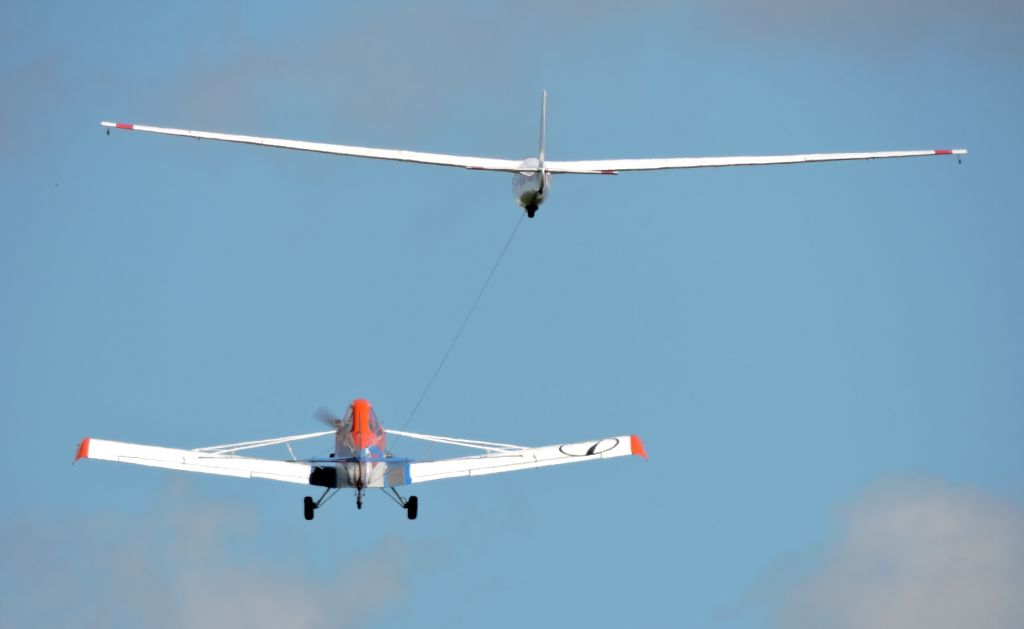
(543, 125)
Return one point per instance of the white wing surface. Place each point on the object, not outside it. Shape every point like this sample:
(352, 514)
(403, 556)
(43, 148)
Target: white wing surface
(614, 166)
(222, 460)
(460, 161)
(194, 461)
(512, 460)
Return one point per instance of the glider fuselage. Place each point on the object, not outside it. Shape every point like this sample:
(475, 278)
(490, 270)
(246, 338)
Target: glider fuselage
(531, 185)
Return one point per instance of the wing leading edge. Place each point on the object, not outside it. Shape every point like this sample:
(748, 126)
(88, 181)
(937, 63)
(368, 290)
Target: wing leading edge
(194, 461)
(614, 166)
(226, 463)
(584, 167)
(526, 458)
(460, 161)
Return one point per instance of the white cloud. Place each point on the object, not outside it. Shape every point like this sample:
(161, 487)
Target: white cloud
(179, 566)
(916, 556)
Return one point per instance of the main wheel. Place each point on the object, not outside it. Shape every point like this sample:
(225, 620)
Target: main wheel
(308, 506)
(412, 506)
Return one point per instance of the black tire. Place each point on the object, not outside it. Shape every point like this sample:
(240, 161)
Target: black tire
(412, 507)
(308, 507)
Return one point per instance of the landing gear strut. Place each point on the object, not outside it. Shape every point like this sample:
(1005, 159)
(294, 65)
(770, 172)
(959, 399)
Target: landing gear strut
(411, 505)
(309, 505)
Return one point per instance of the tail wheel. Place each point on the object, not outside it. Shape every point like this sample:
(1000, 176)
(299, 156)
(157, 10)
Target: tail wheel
(412, 507)
(308, 506)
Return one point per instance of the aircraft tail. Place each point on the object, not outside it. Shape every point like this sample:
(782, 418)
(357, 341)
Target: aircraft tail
(543, 125)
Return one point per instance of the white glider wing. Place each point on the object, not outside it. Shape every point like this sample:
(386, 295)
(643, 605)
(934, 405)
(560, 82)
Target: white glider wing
(514, 458)
(614, 166)
(220, 460)
(460, 161)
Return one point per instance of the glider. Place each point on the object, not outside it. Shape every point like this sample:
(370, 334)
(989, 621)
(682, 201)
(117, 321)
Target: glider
(531, 180)
(360, 459)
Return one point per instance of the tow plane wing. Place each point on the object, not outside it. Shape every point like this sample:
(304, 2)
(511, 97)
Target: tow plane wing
(225, 460)
(526, 458)
(194, 461)
(220, 460)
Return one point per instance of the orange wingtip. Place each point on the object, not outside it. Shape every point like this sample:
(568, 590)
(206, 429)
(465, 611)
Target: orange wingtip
(637, 446)
(83, 449)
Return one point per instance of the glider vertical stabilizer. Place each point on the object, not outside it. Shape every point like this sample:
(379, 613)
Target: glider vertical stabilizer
(543, 126)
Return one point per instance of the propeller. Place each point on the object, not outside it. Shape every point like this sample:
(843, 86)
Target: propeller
(326, 416)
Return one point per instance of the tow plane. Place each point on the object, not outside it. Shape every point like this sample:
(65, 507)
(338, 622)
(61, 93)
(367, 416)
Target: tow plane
(360, 460)
(531, 177)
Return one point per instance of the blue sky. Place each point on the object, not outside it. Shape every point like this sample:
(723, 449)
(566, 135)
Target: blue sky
(824, 360)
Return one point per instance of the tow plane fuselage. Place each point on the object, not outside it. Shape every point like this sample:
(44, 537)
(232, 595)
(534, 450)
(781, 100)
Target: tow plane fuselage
(360, 457)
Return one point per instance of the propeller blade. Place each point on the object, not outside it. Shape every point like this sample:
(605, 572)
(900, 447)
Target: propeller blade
(327, 417)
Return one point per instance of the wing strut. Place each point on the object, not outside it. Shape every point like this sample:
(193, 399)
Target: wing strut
(489, 446)
(261, 443)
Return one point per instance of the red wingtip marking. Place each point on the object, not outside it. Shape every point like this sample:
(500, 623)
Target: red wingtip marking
(122, 125)
(83, 449)
(943, 152)
(637, 446)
